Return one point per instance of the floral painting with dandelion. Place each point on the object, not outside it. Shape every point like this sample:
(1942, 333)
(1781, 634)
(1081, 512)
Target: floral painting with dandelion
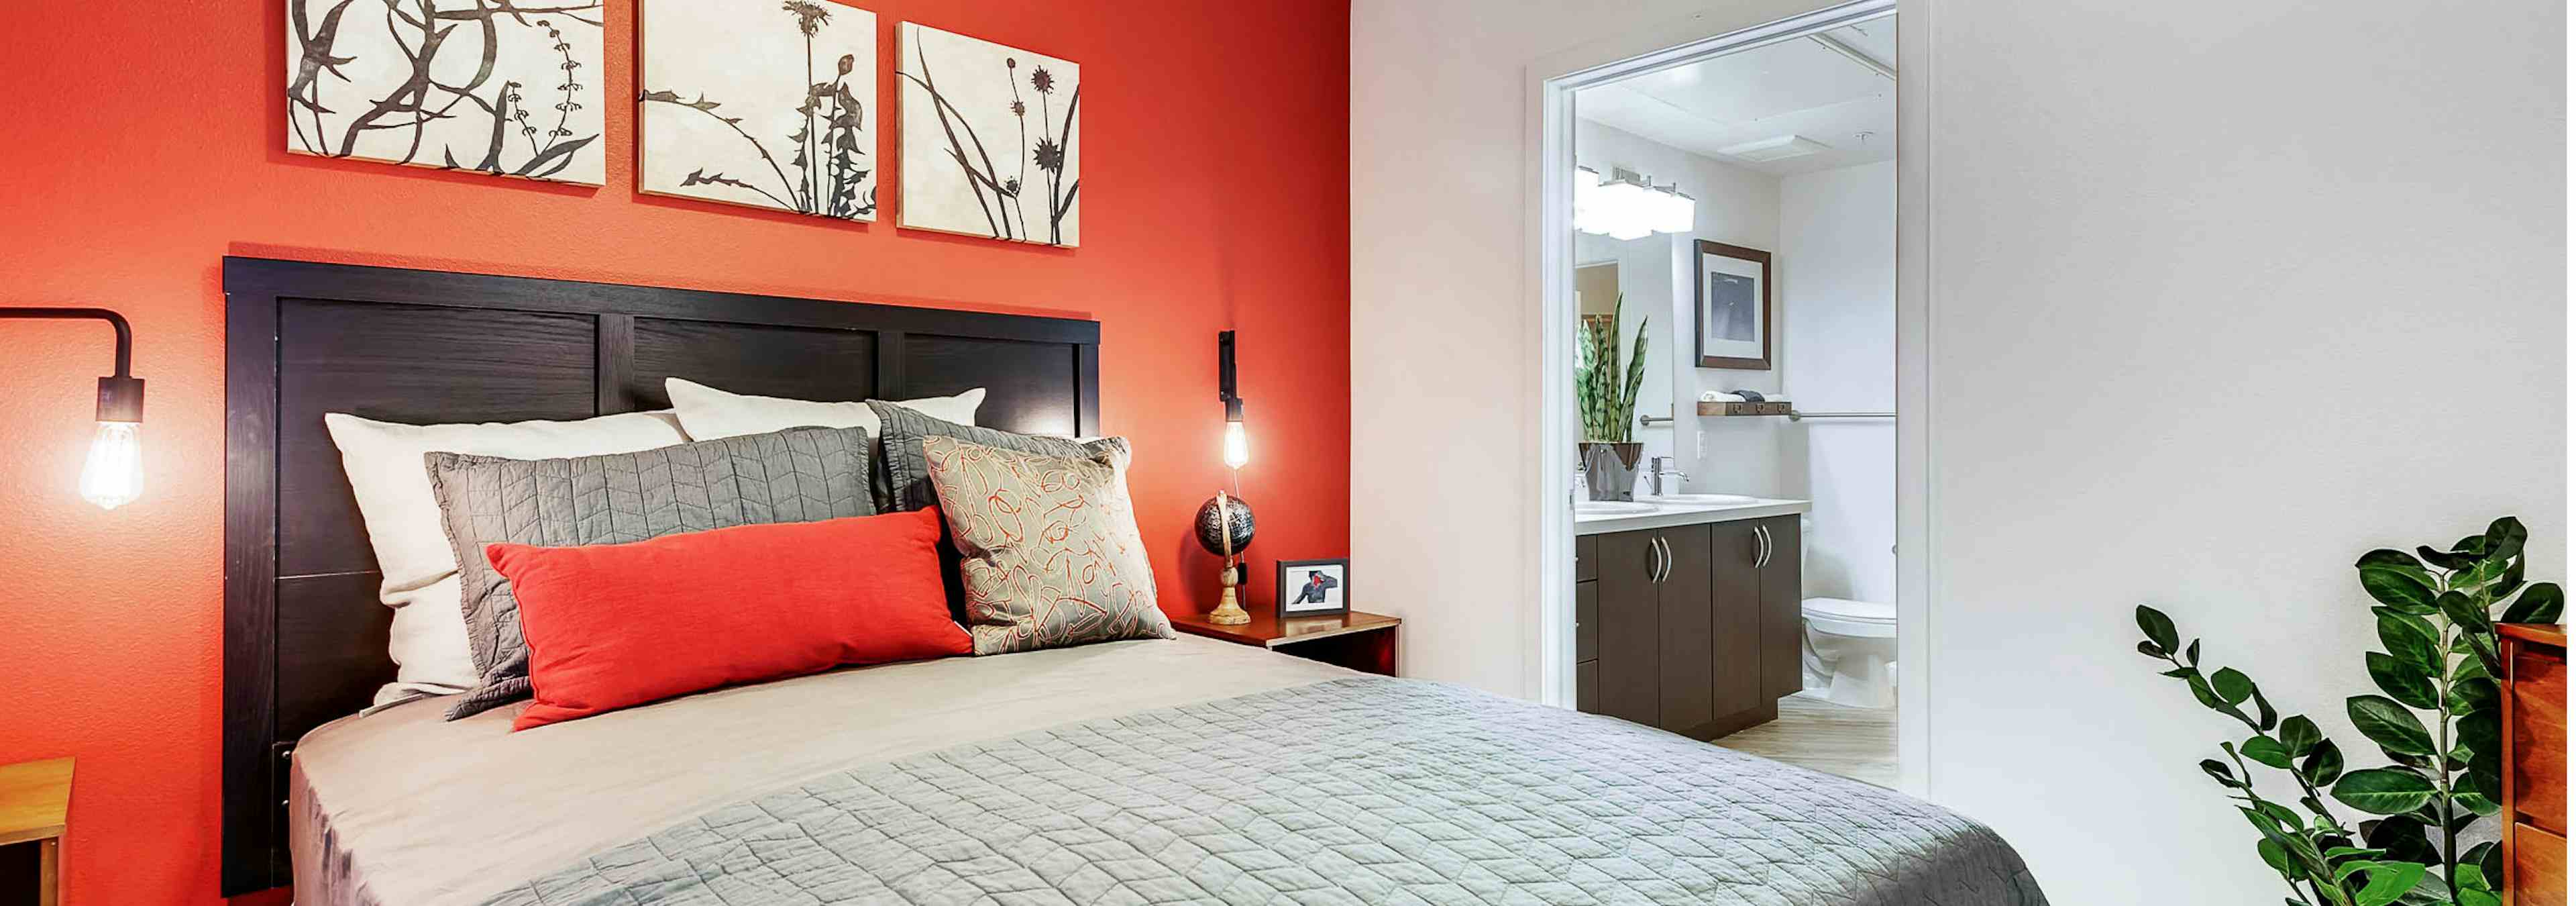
(761, 103)
(991, 138)
(506, 87)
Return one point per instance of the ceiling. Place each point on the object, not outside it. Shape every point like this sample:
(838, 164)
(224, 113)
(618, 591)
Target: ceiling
(1796, 87)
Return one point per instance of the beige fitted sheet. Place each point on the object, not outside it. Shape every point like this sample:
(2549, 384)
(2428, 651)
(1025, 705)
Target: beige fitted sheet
(401, 808)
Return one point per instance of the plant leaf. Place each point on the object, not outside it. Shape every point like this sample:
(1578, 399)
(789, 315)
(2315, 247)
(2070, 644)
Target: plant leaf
(2266, 750)
(2149, 649)
(2395, 579)
(2232, 685)
(2389, 724)
(2463, 612)
(2404, 681)
(2404, 838)
(2445, 559)
(2323, 765)
(2541, 603)
(2388, 881)
(2219, 771)
(2273, 855)
(2158, 627)
(2411, 639)
(2299, 734)
(2384, 791)
(2504, 539)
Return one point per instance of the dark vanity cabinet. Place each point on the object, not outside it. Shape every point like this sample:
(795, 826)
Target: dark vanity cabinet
(1690, 628)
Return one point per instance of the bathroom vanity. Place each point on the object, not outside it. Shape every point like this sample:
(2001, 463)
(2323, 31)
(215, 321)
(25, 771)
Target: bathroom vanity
(1687, 611)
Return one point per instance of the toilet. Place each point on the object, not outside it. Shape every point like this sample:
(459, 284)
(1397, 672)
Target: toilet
(1850, 651)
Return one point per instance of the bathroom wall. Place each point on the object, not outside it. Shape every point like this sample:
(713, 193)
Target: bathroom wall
(1735, 206)
(1836, 283)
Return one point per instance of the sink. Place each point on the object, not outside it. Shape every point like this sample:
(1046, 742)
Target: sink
(1611, 508)
(1703, 499)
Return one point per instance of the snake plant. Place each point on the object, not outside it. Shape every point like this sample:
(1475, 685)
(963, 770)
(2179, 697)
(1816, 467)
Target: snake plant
(2436, 615)
(1606, 403)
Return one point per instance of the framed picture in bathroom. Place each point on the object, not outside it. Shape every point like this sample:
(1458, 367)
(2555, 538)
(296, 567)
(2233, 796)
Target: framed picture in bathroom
(1734, 310)
(1314, 588)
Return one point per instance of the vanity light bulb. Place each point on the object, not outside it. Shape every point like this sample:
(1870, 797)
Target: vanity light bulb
(113, 477)
(1237, 450)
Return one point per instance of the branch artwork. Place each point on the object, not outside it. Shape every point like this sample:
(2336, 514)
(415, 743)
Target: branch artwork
(760, 103)
(491, 86)
(990, 138)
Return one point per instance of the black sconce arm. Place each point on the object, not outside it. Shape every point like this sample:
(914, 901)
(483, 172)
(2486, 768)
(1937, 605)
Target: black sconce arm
(120, 397)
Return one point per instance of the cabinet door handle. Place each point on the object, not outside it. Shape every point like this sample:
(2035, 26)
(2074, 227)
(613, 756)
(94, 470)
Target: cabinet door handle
(1654, 559)
(1661, 558)
(1666, 571)
(1762, 540)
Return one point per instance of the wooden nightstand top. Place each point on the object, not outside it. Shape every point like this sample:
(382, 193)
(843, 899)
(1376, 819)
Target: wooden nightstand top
(1268, 631)
(34, 797)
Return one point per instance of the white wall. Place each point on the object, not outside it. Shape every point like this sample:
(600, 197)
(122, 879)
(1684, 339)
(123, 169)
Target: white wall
(1836, 281)
(2220, 295)
(1733, 205)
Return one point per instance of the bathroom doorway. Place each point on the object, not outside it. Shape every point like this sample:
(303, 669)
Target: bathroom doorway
(1719, 267)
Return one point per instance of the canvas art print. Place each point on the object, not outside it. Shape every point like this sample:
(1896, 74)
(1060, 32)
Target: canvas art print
(1734, 311)
(759, 103)
(452, 84)
(991, 138)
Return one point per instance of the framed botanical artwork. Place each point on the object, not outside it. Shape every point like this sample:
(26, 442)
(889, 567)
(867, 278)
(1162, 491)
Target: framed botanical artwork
(1314, 588)
(759, 103)
(1734, 311)
(451, 84)
(991, 138)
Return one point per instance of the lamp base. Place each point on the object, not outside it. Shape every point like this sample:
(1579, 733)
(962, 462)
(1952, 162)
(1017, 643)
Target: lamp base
(1227, 612)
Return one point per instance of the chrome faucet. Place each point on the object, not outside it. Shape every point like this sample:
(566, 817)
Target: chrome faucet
(1656, 469)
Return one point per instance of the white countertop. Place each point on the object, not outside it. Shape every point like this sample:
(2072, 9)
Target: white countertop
(1672, 513)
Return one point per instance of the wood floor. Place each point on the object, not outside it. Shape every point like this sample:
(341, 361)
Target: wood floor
(1859, 743)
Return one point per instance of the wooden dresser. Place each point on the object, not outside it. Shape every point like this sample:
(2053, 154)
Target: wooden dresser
(2535, 764)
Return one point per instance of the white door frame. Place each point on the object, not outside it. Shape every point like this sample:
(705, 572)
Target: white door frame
(1548, 155)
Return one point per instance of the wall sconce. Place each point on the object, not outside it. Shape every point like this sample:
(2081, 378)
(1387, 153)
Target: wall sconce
(1237, 450)
(113, 476)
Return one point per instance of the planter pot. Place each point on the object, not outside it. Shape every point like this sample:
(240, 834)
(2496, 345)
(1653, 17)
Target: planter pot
(1610, 470)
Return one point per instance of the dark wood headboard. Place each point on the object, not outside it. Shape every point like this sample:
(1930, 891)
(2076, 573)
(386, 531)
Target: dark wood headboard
(304, 637)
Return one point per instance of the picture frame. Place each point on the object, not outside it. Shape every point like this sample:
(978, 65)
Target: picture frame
(1732, 316)
(1314, 588)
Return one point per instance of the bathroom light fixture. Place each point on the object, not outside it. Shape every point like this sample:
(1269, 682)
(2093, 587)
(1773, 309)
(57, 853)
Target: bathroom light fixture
(1625, 206)
(113, 475)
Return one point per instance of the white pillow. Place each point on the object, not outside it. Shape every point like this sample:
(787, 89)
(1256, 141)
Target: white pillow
(429, 646)
(383, 462)
(709, 413)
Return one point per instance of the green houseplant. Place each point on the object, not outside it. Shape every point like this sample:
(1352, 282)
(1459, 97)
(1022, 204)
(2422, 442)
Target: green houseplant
(1605, 398)
(2437, 721)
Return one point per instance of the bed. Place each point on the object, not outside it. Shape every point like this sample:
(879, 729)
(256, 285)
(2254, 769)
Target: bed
(1164, 770)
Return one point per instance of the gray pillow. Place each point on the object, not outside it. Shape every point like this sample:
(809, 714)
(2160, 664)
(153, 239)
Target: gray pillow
(904, 471)
(796, 475)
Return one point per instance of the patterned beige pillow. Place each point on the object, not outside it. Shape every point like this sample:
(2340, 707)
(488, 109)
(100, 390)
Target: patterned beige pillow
(1050, 552)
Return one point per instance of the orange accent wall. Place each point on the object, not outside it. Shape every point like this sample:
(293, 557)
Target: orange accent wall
(146, 140)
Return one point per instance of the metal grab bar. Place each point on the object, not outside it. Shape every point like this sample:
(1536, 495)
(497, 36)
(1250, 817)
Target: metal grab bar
(1648, 421)
(1795, 415)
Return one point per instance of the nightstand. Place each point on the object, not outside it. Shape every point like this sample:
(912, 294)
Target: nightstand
(1359, 641)
(35, 797)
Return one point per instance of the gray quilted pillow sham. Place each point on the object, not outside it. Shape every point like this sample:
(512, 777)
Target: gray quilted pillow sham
(796, 475)
(903, 470)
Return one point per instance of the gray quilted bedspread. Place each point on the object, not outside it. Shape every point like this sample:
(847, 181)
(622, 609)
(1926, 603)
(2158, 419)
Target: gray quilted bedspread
(1352, 791)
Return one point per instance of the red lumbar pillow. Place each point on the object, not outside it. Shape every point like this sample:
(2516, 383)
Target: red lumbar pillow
(616, 625)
